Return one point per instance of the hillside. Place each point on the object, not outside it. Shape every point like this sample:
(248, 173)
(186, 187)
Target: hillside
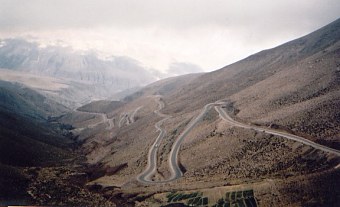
(101, 106)
(264, 131)
(291, 89)
(78, 77)
(295, 85)
(71, 94)
(38, 155)
(26, 139)
(64, 62)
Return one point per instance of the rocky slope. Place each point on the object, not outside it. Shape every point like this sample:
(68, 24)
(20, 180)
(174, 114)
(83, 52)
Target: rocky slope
(293, 87)
(39, 164)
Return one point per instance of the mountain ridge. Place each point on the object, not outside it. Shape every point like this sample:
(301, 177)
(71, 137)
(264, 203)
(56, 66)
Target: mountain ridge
(227, 154)
(64, 62)
(292, 88)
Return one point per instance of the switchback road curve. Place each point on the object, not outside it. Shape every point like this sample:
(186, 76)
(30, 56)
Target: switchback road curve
(146, 175)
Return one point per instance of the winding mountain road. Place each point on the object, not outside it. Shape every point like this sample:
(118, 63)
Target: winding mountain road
(147, 174)
(105, 119)
(223, 114)
(133, 114)
(128, 117)
(173, 156)
(122, 118)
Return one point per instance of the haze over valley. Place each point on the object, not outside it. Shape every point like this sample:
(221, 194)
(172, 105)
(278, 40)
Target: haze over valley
(82, 128)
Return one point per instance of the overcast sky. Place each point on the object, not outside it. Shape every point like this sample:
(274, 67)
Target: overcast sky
(167, 35)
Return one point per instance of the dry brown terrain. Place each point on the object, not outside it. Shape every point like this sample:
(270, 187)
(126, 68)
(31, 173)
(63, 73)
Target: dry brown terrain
(293, 87)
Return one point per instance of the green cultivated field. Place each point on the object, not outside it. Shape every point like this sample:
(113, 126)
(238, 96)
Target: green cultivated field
(232, 199)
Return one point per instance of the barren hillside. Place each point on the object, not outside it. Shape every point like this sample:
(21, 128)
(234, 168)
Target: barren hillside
(293, 89)
(264, 131)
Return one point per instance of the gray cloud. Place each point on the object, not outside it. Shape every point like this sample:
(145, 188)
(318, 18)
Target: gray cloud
(181, 68)
(208, 33)
(42, 14)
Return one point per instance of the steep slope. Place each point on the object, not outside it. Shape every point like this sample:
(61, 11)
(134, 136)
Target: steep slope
(101, 106)
(82, 76)
(64, 62)
(292, 88)
(26, 138)
(283, 85)
(27, 102)
(166, 86)
(39, 163)
(69, 93)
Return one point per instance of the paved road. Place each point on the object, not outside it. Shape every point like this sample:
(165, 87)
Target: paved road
(133, 114)
(129, 118)
(146, 175)
(223, 114)
(109, 121)
(105, 119)
(122, 118)
(150, 171)
(173, 157)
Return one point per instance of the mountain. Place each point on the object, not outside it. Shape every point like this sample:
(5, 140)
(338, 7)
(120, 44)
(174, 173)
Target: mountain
(263, 131)
(291, 89)
(63, 62)
(295, 85)
(26, 138)
(36, 149)
(83, 72)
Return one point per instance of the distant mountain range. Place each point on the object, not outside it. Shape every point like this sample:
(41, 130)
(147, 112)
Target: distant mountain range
(88, 77)
(224, 118)
(64, 62)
